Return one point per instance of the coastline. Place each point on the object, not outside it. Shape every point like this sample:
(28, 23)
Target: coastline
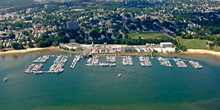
(191, 53)
(22, 51)
(202, 51)
(37, 51)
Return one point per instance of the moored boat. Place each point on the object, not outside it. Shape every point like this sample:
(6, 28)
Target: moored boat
(5, 79)
(119, 74)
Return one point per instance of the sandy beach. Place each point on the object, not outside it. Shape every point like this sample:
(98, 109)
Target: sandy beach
(37, 50)
(201, 51)
(22, 51)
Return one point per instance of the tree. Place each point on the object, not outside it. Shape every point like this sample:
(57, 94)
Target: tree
(1, 47)
(30, 44)
(55, 43)
(40, 44)
(15, 45)
(211, 45)
(21, 46)
(11, 36)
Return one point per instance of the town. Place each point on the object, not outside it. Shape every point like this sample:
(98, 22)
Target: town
(121, 22)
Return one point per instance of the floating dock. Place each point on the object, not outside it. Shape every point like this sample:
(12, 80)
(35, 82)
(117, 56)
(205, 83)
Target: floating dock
(34, 68)
(42, 59)
(58, 64)
(75, 60)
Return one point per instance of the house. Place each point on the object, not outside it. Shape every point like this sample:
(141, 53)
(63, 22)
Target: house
(129, 49)
(166, 44)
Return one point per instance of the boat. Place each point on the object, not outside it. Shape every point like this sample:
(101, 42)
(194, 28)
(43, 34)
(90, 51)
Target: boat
(89, 64)
(5, 79)
(112, 65)
(142, 63)
(104, 64)
(119, 74)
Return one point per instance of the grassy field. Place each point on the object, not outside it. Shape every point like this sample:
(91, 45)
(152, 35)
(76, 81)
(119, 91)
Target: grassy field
(193, 43)
(146, 35)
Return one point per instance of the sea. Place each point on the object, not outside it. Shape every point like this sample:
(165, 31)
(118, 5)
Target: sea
(100, 88)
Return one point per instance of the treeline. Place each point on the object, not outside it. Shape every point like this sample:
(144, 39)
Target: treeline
(46, 40)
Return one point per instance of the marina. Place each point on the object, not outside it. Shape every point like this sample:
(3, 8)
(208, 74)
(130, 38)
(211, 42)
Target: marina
(164, 62)
(75, 60)
(34, 68)
(110, 61)
(58, 64)
(180, 63)
(94, 61)
(195, 64)
(127, 61)
(42, 59)
(145, 61)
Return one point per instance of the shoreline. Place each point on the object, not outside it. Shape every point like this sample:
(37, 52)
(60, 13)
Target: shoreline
(47, 50)
(202, 51)
(191, 53)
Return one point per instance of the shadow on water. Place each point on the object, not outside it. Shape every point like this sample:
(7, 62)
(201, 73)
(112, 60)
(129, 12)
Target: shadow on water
(212, 104)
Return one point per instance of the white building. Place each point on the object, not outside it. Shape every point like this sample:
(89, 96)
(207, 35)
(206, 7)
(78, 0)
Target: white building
(166, 44)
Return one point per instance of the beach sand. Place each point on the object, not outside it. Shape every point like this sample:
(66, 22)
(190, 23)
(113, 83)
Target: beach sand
(201, 51)
(38, 51)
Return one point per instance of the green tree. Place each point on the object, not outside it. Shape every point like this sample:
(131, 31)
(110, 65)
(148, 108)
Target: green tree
(21, 46)
(30, 44)
(15, 45)
(11, 36)
(55, 43)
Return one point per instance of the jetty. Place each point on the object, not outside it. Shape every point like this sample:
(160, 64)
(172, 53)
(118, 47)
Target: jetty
(58, 65)
(34, 68)
(180, 63)
(75, 60)
(42, 59)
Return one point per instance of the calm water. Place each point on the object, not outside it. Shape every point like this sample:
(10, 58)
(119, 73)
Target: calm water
(99, 88)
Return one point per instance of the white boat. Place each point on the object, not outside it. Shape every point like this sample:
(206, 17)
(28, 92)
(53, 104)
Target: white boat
(142, 64)
(104, 64)
(89, 64)
(119, 74)
(5, 79)
(112, 65)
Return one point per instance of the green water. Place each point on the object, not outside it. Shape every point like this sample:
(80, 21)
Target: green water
(99, 88)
